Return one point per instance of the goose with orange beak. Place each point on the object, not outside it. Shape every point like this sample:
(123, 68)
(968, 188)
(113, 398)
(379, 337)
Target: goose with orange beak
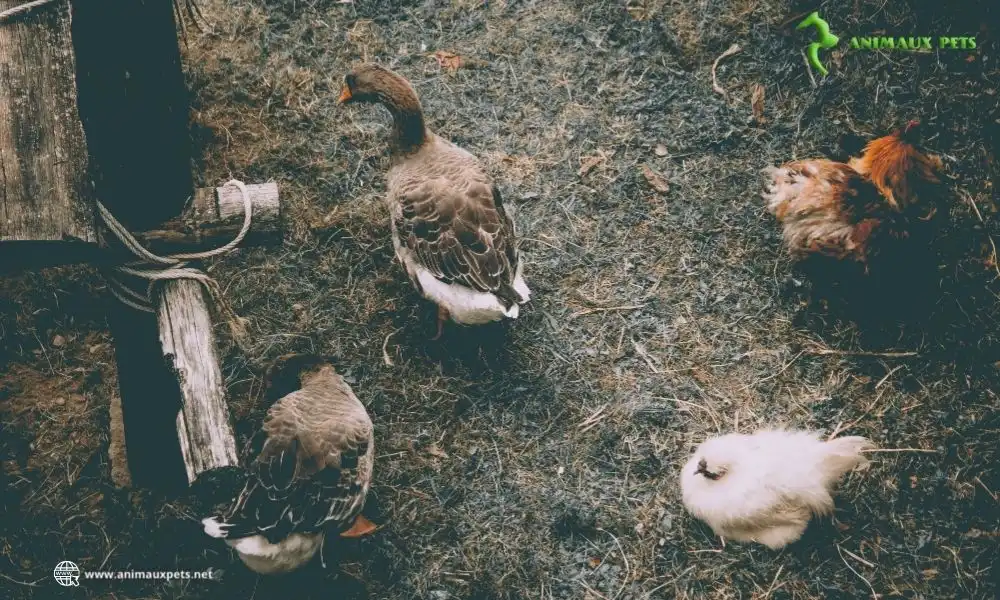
(451, 229)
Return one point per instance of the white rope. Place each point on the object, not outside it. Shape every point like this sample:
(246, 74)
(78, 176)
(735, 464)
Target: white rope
(154, 268)
(22, 8)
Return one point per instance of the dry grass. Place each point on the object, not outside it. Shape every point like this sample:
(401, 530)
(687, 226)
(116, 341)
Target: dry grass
(538, 460)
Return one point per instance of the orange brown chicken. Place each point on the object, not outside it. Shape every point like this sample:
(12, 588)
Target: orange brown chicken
(845, 211)
(904, 176)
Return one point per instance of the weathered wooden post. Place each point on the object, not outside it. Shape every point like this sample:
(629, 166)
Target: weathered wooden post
(114, 66)
(43, 155)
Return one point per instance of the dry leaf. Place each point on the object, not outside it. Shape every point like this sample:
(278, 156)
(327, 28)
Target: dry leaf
(757, 102)
(59, 341)
(588, 163)
(638, 10)
(655, 180)
(449, 61)
(433, 450)
(661, 150)
(837, 56)
(593, 562)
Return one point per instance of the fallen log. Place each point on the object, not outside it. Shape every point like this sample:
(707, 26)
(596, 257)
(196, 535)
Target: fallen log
(203, 427)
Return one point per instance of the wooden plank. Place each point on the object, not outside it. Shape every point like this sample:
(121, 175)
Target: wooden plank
(203, 427)
(150, 402)
(133, 105)
(214, 218)
(44, 189)
(120, 475)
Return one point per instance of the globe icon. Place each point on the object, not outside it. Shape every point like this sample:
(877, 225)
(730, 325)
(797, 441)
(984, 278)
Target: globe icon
(67, 574)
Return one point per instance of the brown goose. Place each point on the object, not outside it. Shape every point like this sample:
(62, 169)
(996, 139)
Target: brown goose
(449, 226)
(312, 473)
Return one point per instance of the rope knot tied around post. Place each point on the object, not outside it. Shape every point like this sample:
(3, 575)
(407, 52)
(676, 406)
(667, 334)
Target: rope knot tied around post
(153, 268)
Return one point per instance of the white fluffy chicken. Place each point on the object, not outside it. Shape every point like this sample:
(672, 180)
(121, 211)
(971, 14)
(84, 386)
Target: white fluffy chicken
(766, 487)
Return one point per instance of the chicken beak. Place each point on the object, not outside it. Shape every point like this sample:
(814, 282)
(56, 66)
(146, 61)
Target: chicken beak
(703, 470)
(345, 95)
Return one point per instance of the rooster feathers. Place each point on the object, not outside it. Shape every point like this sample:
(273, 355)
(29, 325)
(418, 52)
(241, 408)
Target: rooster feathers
(846, 211)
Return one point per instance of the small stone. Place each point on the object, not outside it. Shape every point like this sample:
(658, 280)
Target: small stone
(560, 470)
(60, 401)
(660, 150)
(59, 341)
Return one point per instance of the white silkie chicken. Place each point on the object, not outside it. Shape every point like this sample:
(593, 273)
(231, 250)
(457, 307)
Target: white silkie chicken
(766, 487)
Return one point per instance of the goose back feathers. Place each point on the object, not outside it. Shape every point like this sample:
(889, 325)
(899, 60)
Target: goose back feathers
(453, 235)
(451, 230)
(310, 477)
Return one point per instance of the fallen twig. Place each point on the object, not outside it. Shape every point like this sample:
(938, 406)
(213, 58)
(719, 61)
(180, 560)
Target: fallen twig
(19, 582)
(385, 353)
(792, 19)
(587, 311)
(715, 82)
(628, 569)
(901, 450)
(774, 583)
(592, 420)
(711, 413)
(641, 351)
(820, 351)
(989, 237)
(860, 576)
(809, 70)
(868, 564)
(988, 490)
(772, 375)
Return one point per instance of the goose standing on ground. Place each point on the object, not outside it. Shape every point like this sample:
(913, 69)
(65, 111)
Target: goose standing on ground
(312, 473)
(766, 487)
(450, 229)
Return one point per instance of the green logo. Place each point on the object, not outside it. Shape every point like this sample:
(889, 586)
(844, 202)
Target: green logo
(825, 40)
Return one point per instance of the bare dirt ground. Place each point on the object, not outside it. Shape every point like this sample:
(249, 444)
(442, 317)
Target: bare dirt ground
(539, 460)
